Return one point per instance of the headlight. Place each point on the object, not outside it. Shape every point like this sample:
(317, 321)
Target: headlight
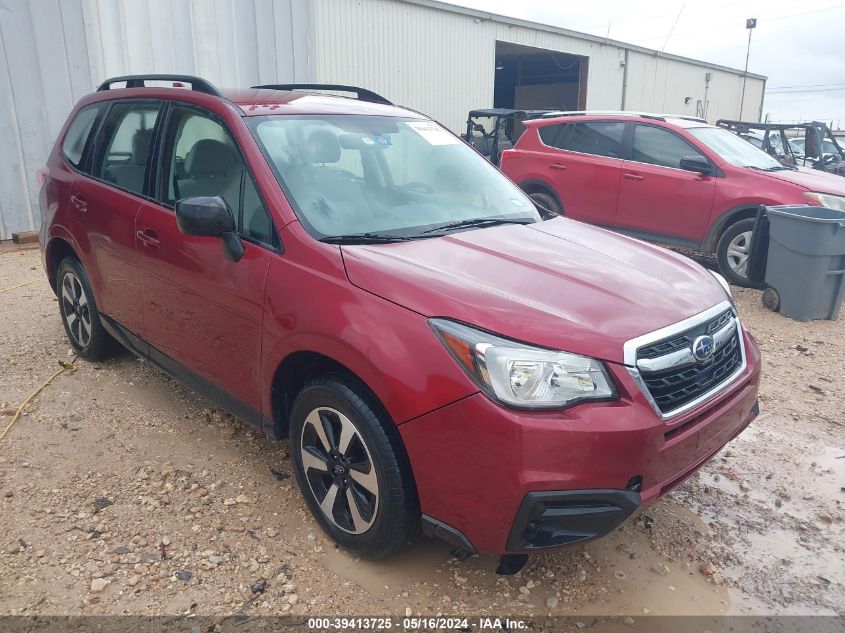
(827, 200)
(523, 376)
(723, 282)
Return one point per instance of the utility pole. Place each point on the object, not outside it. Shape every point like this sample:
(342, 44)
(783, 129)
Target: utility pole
(750, 25)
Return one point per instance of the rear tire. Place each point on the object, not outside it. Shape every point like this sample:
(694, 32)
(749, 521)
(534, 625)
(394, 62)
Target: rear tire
(547, 200)
(79, 313)
(351, 467)
(733, 251)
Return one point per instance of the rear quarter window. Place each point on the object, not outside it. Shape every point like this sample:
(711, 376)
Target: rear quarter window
(550, 134)
(73, 146)
(599, 138)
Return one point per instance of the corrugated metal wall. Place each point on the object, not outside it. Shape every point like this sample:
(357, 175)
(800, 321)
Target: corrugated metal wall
(659, 84)
(442, 62)
(43, 70)
(438, 62)
(417, 53)
(52, 52)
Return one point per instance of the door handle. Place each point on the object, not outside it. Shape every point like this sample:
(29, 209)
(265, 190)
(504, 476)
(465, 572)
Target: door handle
(148, 237)
(633, 177)
(79, 202)
(558, 166)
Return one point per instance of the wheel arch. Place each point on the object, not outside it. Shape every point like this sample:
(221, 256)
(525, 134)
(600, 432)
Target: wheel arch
(57, 249)
(540, 186)
(294, 371)
(724, 221)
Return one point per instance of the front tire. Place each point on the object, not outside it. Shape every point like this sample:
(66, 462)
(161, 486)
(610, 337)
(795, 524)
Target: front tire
(351, 467)
(733, 252)
(79, 313)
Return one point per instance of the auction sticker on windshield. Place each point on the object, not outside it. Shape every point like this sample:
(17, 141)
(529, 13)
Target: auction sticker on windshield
(433, 133)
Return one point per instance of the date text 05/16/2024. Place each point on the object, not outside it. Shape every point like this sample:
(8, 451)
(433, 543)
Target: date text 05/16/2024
(415, 623)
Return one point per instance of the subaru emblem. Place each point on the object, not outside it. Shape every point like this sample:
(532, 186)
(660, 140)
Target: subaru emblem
(703, 347)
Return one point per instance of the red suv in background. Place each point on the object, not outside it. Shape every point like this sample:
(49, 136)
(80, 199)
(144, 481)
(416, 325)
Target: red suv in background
(673, 180)
(352, 276)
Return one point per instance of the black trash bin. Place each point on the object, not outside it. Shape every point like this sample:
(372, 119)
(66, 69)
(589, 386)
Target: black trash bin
(806, 260)
(758, 251)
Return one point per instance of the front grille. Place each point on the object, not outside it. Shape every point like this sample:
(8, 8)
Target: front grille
(673, 388)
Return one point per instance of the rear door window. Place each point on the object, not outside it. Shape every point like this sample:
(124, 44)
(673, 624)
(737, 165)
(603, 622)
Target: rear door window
(657, 146)
(599, 138)
(78, 134)
(125, 145)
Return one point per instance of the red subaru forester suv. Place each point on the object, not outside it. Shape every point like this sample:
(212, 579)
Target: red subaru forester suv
(668, 179)
(351, 275)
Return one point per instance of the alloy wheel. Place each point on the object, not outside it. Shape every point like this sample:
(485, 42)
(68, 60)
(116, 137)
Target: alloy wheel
(738, 251)
(339, 470)
(76, 310)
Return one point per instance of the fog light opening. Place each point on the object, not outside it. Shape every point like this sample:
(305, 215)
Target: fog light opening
(635, 484)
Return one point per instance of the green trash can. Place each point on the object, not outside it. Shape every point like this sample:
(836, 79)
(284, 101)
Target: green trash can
(806, 260)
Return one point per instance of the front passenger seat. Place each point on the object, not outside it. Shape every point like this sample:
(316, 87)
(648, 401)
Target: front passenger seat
(212, 168)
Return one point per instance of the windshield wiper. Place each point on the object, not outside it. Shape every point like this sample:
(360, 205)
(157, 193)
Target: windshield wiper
(366, 238)
(476, 223)
(774, 168)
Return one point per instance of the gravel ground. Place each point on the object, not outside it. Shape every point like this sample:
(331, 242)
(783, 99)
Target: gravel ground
(121, 492)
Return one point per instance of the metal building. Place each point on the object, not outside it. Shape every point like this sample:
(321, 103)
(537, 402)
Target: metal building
(434, 57)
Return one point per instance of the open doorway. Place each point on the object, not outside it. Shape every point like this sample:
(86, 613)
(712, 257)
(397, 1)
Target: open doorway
(529, 78)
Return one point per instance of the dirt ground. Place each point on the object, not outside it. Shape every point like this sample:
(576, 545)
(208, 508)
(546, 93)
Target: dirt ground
(121, 492)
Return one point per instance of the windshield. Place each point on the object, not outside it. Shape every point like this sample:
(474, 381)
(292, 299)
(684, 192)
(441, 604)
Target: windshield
(733, 149)
(829, 148)
(348, 175)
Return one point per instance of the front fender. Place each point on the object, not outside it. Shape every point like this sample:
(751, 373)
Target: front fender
(310, 305)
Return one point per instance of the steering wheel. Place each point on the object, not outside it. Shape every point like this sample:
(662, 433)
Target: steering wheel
(419, 187)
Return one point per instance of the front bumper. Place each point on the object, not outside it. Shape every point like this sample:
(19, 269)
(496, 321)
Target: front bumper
(518, 481)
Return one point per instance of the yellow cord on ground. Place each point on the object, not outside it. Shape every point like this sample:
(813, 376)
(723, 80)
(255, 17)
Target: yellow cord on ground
(64, 367)
(26, 283)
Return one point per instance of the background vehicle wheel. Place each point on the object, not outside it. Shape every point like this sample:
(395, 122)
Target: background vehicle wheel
(351, 467)
(546, 200)
(771, 299)
(79, 313)
(733, 251)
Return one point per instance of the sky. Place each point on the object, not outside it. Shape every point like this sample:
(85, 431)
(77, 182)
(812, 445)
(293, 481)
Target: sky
(799, 46)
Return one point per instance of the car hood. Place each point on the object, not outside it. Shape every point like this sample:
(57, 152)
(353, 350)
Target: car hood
(811, 180)
(559, 284)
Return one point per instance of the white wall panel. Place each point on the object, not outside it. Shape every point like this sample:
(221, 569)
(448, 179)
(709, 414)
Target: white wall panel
(43, 71)
(441, 60)
(53, 52)
(660, 84)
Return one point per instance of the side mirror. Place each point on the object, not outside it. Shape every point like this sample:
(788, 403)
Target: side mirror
(210, 216)
(697, 164)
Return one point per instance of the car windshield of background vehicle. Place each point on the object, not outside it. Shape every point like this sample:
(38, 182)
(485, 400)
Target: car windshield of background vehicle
(385, 177)
(735, 150)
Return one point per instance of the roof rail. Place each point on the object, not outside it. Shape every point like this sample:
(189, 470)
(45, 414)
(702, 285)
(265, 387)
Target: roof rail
(138, 81)
(685, 117)
(644, 115)
(562, 113)
(361, 94)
